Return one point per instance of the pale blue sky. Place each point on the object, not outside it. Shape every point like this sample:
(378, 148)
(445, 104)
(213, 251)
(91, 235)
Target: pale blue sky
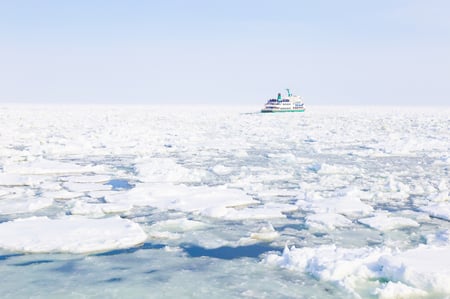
(216, 52)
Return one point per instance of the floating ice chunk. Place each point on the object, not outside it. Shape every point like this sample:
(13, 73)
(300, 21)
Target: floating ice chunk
(336, 169)
(172, 228)
(7, 179)
(441, 161)
(439, 210)
(98, 209)
(283, 156)
(385, 222)
(267, 211)
(208, 201)
(165, 170)
(333, 181)
(423, 270)
(440, 238)
(328, 262)
(3, 192)
(268, 194)
(265, 233)
(178, 225)
(86, 187)
(88, 178)
(398, 290)
(439, 197)
(425, 267)
(62, 194)
(23, 205)
(101, 193)
(345, 205)
(70, 234)
(240, 153)
(395, 186)
(303, 160)
(443, 187)
(327, 221)
(417, 189)
(164, 235)
(221, 170)
(42, 166)
(49, 184)
(260, 177)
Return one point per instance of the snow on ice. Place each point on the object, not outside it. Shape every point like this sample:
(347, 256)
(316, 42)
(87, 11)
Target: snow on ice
(359, 194)
(424, 270)
(70, 234)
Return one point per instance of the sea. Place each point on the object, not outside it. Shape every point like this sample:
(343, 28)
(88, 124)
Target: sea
(128, 201)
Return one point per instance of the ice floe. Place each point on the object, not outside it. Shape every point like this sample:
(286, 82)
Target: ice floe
(88, 178)
(86, 187)
(69, 234)
(204, 200)
(266, 211)
(265, 233)
(362, 192)
(327, 221)
(98, 209)
(221, 170)
(384, 221)
(438, 210)
(335, 169)
(425, 267)
(23, 205)
(172, 228)
(440, 238)
(345, 205)
(165, 170)
(399, 290)
(42, 166)
(423, 271)
(62, 194)
(7, 179)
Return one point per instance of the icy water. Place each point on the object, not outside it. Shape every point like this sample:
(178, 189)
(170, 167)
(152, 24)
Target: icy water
(177, 202)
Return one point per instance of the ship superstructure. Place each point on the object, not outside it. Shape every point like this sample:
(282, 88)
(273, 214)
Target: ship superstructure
(291, 103)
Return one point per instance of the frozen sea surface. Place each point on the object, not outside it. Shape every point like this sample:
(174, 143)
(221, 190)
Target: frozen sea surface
(177, 202)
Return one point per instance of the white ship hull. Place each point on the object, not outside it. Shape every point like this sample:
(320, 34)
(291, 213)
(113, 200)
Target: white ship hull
(289, 104)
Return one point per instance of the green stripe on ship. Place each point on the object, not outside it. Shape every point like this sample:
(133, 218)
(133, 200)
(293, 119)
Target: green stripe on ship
(276, 111)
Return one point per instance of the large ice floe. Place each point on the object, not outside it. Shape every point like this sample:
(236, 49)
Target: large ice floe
(415, 273)
(70, 234)
(151, 202)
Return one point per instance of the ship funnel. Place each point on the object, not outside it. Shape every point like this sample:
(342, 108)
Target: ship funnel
(279, 97)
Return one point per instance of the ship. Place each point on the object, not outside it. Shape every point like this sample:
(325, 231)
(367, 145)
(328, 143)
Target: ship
(291, 103)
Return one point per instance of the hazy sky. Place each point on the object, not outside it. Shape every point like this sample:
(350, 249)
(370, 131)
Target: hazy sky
(229, 51)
